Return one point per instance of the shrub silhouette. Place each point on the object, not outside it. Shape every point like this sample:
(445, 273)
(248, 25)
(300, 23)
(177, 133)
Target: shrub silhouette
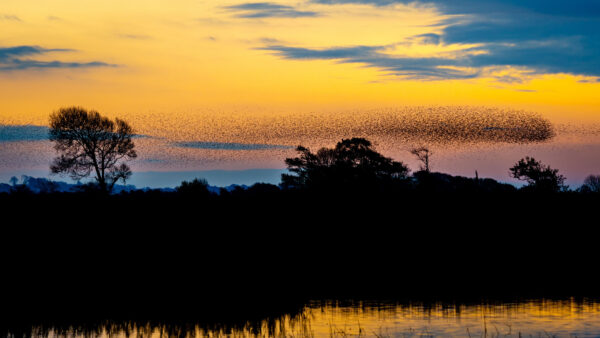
(434, 182)
(259, 189)
(539, 177)
(88, 142)
(197, 187)
(351, 164)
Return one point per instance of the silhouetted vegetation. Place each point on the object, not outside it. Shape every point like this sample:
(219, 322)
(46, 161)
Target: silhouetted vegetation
(352, 164)
(540, 177)
(195, 188)
(591, 184)
(422, 155)
(325, 233)
(89, 143)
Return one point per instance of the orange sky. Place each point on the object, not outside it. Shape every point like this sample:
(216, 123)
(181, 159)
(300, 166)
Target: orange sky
(193, 54)
(198, 70)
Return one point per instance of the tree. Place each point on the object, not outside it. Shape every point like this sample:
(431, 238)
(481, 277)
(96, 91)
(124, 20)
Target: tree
(422, 155)
(539, 177)
(90, 143)
(591, 184)
(14, 180)
(352, 163)
(196, 188)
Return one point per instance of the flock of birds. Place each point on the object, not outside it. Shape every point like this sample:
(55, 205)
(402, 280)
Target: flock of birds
(436, 125)
(243, 138)
(202, 138)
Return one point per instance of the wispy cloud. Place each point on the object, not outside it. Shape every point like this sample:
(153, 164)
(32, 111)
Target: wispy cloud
(17, 51)
(27, 132)
(430, 38)
(135, 36)
(343, 53)
(18, 58)
(16, 133)
(591, 80)
(7, 17)
(267, 10)
(374, 56)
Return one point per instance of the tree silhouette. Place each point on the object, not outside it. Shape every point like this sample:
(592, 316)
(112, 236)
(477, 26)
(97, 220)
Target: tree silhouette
(88, 142)
(422, 154)
(13, 181)
(539, 176)
(196, 187)
(591, 184)
(353, 162)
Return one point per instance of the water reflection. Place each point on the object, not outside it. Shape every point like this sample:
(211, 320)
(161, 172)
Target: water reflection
(539, 318)
(536, 318)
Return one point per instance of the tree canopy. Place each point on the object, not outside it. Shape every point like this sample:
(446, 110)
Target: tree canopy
(539, 176)
(90, 143)
(351, 163)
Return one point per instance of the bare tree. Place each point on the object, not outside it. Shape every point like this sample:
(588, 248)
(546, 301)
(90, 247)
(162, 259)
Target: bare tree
(89, 143)
(592, 183)
(422, 154)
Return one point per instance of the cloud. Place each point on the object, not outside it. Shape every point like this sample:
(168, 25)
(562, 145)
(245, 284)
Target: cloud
(135, 36)
(325, 53)
(6, 17)
(546, 36)
(574, 8)
(270, 41)
(7, 52)
(267, 10)
(591, 80)
(230, 146)
(374, 56)
(27, 132)
(28, 64)
(15, 58)
(430, 38)
(16, 133)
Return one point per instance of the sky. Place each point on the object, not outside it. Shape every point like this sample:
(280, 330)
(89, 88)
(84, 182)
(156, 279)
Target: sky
(234, 85)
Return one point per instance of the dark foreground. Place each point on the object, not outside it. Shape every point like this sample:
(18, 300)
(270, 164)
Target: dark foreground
(166, 257)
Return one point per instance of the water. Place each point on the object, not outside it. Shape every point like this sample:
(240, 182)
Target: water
(536, 318)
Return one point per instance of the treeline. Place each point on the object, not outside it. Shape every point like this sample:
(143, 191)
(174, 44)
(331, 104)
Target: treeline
(350, 184)
(351, 167)
(89, 144)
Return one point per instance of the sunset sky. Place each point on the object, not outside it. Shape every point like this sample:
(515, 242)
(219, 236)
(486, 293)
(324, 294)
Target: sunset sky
(224, 71)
